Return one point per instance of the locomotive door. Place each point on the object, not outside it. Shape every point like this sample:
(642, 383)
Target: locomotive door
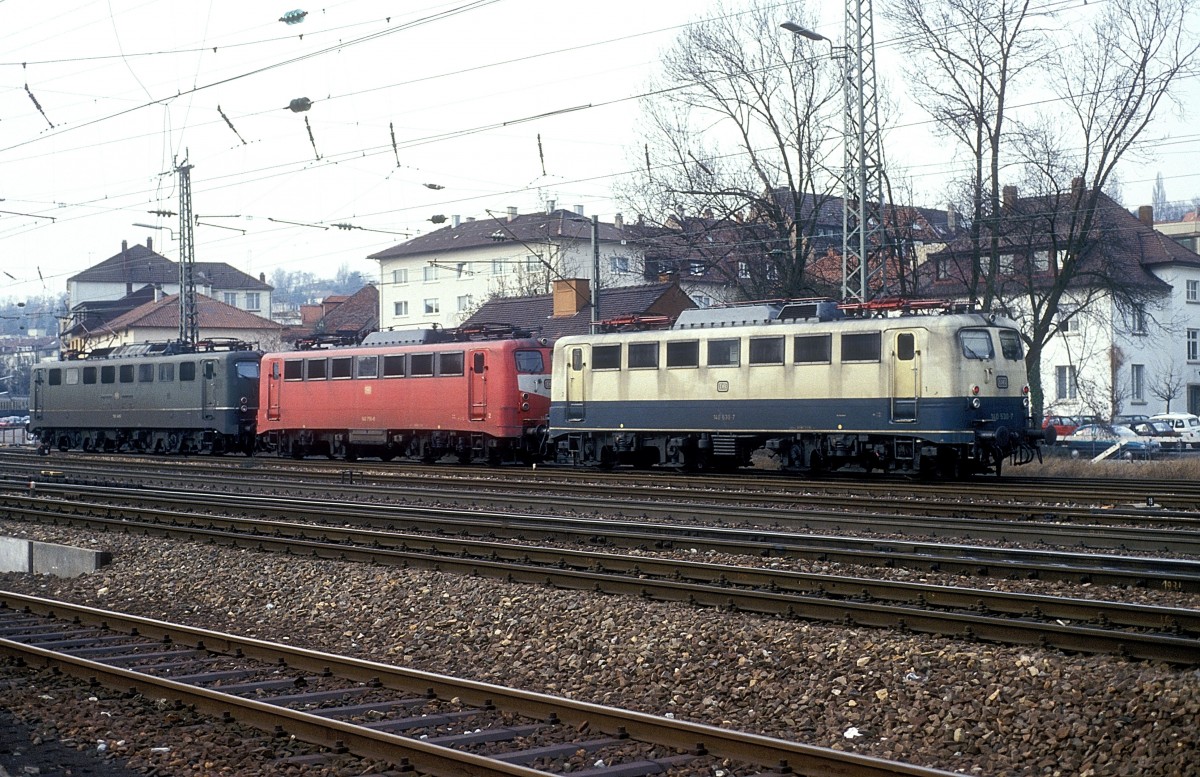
(906, 376)
(36, 399)
(477, 386)
(576, 361)
(273, 384)
(209, 390)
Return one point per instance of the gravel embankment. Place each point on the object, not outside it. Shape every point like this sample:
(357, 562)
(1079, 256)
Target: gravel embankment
(955, 705)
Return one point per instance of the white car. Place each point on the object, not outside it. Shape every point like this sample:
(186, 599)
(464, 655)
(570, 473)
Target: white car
(1186, 424)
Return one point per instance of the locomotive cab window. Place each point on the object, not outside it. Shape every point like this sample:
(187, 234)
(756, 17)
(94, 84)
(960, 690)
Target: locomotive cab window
(450, 363)
(420, 365)
(314, 369)
(210, 369)
(813, 349)
(906, 346)
(643, 356)
(187, 370)
(247, 369)
(293, 369)
(368, 367)
(861, 347)
(166, 373)
(976, 344)
(683, 353)
(766, 350)
(1010, 345)
(340, 367)
(606, 357)
(576, 359)
(55, 378)
(724, 353)
(478, 362)
(393, 366)
(529, 362)
(145, 373)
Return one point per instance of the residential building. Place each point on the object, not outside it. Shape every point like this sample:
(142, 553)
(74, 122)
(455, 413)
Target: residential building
(1126, 328)
(443, 277)
(158, 321)
(338, 319)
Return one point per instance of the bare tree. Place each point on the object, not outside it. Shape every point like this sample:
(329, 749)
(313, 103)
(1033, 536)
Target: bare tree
(738, 147)
(967, 55)
(1168, 382)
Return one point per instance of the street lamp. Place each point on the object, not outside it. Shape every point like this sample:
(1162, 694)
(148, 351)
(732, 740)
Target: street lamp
(804, 32)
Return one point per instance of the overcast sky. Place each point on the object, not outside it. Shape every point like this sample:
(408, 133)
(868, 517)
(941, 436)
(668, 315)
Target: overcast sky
(125, 90)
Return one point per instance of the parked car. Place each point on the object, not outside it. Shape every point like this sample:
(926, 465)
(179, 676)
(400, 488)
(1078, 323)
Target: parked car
(1129, 419)
(1063, 424)
(1093, 439)
(1186, 424)
(1160, 431)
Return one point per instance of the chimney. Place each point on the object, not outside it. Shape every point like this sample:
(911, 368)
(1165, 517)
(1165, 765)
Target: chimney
(951, 218)
(708, 213)
(150, 243)
(454, 221)
(578, 210)
(619, 221)
(549, 206)
(1077, 187)
(1146, 215)
(262, 277)
(570, 296)
(124, 246)
(512, 213)
(158, 292)
(1010, 197)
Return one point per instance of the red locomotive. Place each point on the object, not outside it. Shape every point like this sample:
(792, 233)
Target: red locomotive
(421, 394)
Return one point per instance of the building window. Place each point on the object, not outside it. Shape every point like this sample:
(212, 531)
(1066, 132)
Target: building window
(1137, 324)
(460, 270)
(432, 305)
(430, 273)
(943, 268)
(1137, 382)
(695, 268)
(743, 270)
(1066, 320)
(1008, 263)
(400, 277)
(230, 298)
(533, 262)
(252, 302)
(464, 303)
(497, 267)
(1193, 345)
(1041, 261)
(400, 308)
(1193, 291)
(1064, 382)
(619, 264)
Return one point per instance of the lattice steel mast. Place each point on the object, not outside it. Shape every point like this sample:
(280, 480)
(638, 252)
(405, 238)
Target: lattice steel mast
(864, 259)
(189, 324)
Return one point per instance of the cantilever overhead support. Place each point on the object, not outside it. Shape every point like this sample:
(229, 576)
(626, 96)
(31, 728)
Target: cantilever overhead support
(189, 320)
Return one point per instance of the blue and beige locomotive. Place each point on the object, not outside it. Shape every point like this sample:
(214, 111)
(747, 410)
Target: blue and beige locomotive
(162, 398)
(818, 385)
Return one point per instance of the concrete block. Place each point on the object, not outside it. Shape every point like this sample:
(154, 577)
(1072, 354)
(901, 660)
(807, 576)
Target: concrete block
(45, 558)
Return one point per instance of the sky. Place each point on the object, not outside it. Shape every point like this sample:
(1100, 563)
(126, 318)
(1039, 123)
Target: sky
(418, 109)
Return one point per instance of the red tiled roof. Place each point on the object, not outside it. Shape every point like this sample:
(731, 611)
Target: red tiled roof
(210, 314)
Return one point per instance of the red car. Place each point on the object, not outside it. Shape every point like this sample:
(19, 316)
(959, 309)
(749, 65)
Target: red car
(1063, 424)
(404, 394)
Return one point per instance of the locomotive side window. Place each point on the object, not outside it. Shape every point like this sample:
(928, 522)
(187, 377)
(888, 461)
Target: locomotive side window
(683, 353)
(724, 353)
(314, 369)
(906, 346)
(145, 373)
(187, 371)
(861, 347)
(420, 365)
(72, 376)
(108, 374)
(55, 377)
(450, 363)
(293, 369)
(89, 375)
(976, 344)
(606, 357)
(126, 373)
(813, 349)
(766, 350)
(166, 373)
(1010, 345)
(393, 366)
(368, 366)
(643, 356)
(339, 367)
(529, 362)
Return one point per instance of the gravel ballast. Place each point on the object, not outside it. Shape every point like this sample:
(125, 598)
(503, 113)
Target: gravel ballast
(955, 705)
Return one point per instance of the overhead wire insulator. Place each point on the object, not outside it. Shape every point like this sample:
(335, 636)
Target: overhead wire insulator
(300, 104)
(293, 17)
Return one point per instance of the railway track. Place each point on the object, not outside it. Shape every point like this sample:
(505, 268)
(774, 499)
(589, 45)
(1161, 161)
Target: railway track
(411, 719)
(1139, 631)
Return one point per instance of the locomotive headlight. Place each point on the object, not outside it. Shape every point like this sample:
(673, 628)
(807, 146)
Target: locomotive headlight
(975, 390)
(975, 403)
(1025, 389)
(524, 406)
(524, 396)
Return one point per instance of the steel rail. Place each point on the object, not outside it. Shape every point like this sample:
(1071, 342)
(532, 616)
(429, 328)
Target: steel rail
(681, 735)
